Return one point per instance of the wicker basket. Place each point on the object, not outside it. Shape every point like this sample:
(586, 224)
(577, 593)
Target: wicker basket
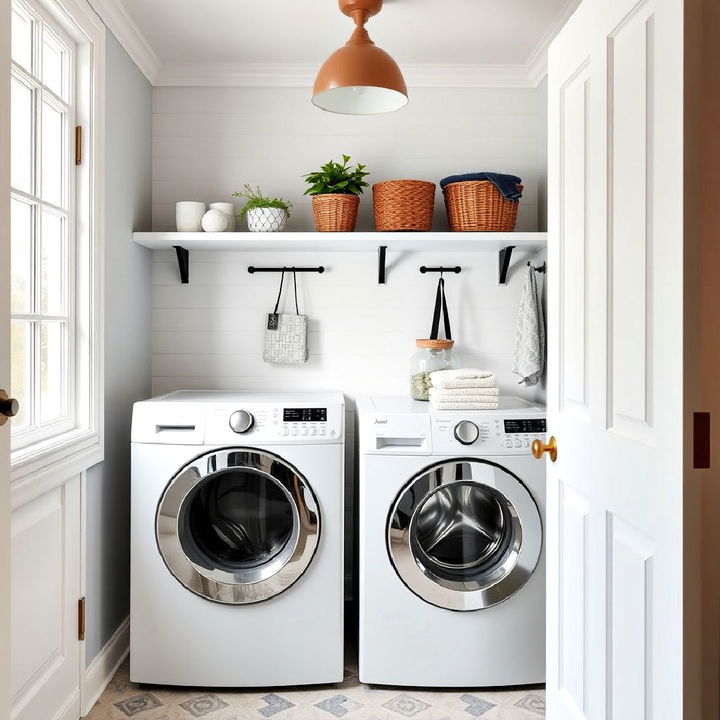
(404, 205)
(335, 212)
(477, 205)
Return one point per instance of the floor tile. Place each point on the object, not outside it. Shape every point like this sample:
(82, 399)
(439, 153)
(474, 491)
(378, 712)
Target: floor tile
(349, 699)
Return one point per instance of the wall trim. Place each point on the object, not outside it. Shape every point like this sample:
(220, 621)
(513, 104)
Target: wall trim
(105, 664)
(117, 19)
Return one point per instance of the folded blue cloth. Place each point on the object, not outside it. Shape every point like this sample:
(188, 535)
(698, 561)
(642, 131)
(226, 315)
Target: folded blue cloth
(506, 184)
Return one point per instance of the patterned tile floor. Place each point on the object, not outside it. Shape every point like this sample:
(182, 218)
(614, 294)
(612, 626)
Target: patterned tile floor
(352, 699)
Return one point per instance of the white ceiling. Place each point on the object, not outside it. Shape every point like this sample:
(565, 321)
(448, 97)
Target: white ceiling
(428, 33)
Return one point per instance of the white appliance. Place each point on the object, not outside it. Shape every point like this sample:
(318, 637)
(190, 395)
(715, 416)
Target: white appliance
(237, 539)
(452, 572)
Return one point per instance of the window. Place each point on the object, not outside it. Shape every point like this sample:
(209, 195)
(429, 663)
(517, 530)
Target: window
(54, 239)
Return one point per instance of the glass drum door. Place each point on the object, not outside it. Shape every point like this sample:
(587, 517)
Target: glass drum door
(464, 535)
(238, 526)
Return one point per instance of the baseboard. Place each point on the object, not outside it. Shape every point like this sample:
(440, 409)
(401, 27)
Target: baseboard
(102, 669)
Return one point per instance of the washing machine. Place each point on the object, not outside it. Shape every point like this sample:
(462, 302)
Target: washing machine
(451, 563)
(237, 539)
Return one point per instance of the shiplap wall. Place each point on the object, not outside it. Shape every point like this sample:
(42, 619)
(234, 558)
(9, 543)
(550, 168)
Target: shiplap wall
(209, 141)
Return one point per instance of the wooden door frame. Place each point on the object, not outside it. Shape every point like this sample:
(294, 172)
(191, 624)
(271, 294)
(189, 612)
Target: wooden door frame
(702, 357)
(5, 360)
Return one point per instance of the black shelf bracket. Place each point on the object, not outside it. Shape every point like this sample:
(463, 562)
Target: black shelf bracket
(382, 260)
(504, 257)
(252, 269)
(183, 260)
(455, 269)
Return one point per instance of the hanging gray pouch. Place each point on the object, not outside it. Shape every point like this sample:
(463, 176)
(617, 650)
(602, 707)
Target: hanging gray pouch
(286, 334)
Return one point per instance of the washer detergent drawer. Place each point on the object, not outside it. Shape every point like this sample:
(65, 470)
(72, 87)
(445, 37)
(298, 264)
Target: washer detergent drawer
(397, 435)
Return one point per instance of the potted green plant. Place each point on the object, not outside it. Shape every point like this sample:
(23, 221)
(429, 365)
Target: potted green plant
(263, 214)
(335, 191)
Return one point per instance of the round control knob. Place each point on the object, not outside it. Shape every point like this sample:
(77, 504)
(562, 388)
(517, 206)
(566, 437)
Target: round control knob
(241, 421)
(466, 432)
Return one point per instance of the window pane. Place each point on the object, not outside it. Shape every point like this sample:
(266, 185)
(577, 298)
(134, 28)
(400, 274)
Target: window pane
(54, 64)
(53, 142)
(52, 370)
(52, 264)
(22, 30)
(20, 256)
(20, 370)
(21, 130)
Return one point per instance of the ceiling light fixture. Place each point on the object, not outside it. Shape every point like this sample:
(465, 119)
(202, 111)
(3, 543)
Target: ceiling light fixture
(360, 78)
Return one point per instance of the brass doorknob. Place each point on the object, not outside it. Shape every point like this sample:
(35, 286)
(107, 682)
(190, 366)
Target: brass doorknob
(9, 407)
(538, 448)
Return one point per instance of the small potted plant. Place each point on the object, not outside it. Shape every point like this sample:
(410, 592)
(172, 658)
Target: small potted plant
(263, 214)
(335, 191)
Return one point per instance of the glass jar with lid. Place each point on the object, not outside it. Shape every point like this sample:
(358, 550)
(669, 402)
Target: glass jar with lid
(431, 355)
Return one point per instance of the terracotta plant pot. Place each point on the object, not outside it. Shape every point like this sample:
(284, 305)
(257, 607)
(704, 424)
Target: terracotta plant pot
(335, 212)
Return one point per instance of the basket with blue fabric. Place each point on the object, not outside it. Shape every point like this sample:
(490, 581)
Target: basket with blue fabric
(482, 202)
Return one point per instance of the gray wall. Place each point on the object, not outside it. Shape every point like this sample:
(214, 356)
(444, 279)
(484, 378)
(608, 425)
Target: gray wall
(127, 340)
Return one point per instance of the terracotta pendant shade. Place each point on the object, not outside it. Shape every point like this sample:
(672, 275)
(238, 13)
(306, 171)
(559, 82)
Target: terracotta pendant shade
(360, 78)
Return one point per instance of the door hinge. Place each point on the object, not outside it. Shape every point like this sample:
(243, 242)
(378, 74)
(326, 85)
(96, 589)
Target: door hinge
(78, 145)
(81, 619)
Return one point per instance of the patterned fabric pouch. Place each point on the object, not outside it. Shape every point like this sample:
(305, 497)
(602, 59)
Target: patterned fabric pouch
(286, 334)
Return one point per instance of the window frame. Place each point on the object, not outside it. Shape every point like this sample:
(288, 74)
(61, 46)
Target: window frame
(66, 209)
(79, 444)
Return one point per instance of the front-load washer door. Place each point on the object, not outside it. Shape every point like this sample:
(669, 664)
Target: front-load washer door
(238, 525)
(464, 534)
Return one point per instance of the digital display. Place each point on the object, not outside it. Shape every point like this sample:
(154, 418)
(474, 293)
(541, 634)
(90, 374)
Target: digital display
(525, 426)
(304, 414)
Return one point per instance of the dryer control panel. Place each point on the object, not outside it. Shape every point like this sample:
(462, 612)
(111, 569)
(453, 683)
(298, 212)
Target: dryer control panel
(496, 435)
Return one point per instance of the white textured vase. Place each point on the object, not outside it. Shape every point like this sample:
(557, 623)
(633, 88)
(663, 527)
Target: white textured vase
(214, 221)
(189, 215)
(227, 209)
(266, 220)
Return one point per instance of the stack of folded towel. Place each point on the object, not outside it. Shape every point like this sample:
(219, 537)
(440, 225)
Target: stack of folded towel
(465, 389)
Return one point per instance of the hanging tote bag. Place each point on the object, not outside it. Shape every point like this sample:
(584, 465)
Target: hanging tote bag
(286, 334)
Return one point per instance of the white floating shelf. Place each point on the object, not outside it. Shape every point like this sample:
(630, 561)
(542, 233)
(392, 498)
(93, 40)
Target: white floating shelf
(382, 242)
(343, 242)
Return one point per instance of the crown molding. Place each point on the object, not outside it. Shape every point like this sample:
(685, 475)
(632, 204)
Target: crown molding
(537, 60)
(303, 75)
(117, 19)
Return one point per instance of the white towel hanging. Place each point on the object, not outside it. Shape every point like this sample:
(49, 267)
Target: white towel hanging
(529, 347)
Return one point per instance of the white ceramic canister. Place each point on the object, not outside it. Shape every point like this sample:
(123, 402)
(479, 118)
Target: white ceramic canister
(227, 209)
(188, 216)
(266, 220)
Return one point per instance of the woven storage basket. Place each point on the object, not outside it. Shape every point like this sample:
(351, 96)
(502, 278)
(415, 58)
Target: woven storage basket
(404, 205)
(335, 212)
(477, 205)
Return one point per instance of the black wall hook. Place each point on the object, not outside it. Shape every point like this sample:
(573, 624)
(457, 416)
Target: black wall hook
(539, 268)
(252, 269)
(457, 269)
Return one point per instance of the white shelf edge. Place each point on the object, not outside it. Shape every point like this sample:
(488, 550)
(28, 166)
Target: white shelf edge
(342, 242)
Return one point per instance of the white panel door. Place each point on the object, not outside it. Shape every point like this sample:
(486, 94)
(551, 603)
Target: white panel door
(45, 592)
(5, 363)
(615, 304)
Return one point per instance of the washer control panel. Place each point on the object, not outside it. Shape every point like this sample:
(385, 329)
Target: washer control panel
(276, 423)
(496, 435)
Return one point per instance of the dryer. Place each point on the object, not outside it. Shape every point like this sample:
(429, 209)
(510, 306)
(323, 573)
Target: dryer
(237, 539)
(451, 561)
